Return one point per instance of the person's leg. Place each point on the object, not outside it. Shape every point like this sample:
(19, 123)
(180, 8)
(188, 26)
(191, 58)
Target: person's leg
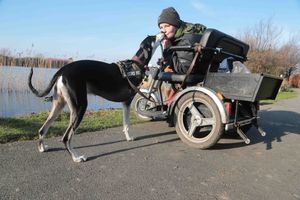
(169, 93)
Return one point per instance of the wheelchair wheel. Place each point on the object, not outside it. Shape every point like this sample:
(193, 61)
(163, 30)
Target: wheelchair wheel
(198, 121)
(142, 106)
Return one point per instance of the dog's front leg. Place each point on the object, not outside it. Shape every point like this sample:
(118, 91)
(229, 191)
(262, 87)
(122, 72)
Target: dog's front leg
(126, 112)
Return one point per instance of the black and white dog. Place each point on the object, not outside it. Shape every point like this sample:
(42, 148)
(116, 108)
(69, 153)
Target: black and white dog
(74, 81)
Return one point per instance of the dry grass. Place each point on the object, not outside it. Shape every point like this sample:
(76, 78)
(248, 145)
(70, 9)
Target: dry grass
(27, 59)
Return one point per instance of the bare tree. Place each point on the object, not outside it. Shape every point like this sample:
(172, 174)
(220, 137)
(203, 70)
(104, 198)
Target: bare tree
(268, 54)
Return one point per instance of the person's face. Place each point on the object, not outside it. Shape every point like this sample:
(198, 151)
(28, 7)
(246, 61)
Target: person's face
(168, 29)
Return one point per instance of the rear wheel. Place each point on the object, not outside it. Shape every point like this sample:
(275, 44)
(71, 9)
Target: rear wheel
(198, 120)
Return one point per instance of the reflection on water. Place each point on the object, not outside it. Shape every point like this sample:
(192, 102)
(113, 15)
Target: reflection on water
(17, 99)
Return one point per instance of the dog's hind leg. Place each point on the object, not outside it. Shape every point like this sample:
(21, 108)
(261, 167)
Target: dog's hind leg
(76, 115)
(126, 113)
(57, 106)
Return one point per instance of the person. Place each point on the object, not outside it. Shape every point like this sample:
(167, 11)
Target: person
(177, 33)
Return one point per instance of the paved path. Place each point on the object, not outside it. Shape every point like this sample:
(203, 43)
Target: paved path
(159, 166)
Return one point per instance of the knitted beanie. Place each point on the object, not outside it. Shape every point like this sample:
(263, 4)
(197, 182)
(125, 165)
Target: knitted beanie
(170, 16)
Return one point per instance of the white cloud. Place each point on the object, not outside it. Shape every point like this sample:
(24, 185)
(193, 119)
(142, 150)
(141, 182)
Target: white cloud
(198, 5)
(202, 7)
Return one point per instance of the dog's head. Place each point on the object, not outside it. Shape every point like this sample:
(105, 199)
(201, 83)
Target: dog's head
(147, 48)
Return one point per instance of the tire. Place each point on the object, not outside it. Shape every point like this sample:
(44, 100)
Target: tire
(139, 104)
(208, 132)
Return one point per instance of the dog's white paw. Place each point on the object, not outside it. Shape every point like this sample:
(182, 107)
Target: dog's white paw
(130, 138)
(42, 148)
(79, 159)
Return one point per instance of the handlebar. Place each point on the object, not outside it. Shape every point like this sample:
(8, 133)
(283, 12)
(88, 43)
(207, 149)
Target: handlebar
(182, 48)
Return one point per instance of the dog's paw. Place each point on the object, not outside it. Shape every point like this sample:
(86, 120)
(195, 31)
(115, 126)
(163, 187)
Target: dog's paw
(79, 159)
(130, 139)
(42, 148)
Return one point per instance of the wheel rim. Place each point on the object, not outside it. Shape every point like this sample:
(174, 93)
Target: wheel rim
(197, 120)
(143, 105)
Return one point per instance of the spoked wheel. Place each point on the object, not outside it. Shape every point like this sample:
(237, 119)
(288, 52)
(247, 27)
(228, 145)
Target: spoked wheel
(198, 121)
(142, 106)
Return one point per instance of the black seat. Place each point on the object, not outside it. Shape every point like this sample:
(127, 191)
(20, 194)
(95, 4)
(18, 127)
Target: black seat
(211, 39)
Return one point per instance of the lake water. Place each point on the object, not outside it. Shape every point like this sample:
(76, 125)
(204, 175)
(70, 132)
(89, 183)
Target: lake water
(16, 98)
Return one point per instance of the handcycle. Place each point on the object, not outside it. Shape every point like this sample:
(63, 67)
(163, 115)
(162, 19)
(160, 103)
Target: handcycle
(209, 103)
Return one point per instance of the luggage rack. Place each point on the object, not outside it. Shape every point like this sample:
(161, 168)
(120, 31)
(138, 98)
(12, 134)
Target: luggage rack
(244, 87)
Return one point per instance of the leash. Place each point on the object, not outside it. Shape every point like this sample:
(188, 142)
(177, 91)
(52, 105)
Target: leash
(137, 90)
(125, 74)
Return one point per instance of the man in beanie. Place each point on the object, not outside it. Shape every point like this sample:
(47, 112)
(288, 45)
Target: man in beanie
(176, 32)
(169, 22)
(175, 29)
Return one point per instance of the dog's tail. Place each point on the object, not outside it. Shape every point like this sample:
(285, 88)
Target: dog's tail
(49, 87)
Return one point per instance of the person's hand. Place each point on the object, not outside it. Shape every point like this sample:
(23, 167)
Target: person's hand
(169, 69)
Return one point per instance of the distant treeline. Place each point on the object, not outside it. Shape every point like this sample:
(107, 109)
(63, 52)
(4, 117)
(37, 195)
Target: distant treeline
(267, 54)
(33, 61)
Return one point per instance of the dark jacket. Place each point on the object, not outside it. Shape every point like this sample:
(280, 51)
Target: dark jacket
(187, 34)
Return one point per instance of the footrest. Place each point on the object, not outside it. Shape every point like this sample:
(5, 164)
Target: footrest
(260, 130)
(242, 135)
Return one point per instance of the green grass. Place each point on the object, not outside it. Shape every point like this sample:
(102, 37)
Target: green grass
(26, 127)
(281, 96)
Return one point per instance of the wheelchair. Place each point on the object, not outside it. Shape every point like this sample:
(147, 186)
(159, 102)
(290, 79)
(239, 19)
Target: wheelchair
(209, 103)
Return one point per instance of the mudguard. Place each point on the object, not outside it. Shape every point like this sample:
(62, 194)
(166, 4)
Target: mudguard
(208, 92)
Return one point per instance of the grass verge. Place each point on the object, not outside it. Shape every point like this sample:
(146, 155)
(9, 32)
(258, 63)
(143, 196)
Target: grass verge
(281, 96)
(26, 127)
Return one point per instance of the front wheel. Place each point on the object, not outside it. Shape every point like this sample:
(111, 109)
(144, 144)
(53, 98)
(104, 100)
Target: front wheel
(142, 107)
(198, 120)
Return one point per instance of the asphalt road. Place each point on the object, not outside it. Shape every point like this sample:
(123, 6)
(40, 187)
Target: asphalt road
(159, 166)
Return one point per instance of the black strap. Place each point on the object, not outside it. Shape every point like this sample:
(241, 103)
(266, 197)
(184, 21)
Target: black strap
(189, 71)
(136, 89)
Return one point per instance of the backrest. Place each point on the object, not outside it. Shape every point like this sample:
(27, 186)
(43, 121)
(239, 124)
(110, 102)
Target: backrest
(216, 39)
